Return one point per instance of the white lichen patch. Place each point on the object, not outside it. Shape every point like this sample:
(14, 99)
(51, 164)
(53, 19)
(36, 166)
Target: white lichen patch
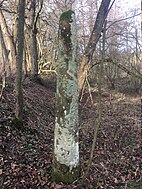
(65, 112)
(66, 147)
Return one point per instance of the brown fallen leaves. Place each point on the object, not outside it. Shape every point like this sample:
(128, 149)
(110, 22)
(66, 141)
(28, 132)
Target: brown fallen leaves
(26, 155)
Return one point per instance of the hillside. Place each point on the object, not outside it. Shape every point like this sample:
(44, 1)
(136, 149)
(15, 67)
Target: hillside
(26, 152)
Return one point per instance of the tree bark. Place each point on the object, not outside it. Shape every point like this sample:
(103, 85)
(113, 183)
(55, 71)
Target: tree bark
(33, 37)
(33, 40)
(4, 64)
(66, 144)
(9, 42)
(19, 59)
(94, 38)
(3, 61)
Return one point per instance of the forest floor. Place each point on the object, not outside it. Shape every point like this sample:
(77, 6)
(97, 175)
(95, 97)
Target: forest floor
(26, 154)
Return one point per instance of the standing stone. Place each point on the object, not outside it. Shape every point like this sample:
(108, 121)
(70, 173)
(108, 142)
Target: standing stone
(66, 136)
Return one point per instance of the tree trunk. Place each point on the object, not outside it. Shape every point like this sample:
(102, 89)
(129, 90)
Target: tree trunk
(94, 38)
(34, 55)
(19, 59)
(14, 29)
(28, 66)
(3, 62)
(33, 40)
(66, 144)
(9, 42)
(4, 65)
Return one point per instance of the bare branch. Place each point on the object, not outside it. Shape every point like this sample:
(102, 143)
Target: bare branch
(110, 6)
(2, 2)
(127, 18)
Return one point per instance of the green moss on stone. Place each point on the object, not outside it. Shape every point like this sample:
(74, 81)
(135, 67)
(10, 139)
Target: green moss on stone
(67, 169)
(67, 16)
(18, 123)
(65, 28)
(61, 173)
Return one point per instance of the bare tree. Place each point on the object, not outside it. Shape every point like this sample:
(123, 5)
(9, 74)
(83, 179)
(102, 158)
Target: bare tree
(3, 61)
(31, 37)
(95, 35)
(19, 59)
(8, 41)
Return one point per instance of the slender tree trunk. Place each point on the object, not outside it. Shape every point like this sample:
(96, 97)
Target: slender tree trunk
(94, 38)
(19, 59)
(34, 52)
(66, 144)
(14, 29)
(4, 64)
(34, 55)
(33, 41)
(33, 37)
(28, 52)
(9, 42)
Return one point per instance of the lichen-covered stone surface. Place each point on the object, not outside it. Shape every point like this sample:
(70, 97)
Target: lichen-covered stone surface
(66, 144)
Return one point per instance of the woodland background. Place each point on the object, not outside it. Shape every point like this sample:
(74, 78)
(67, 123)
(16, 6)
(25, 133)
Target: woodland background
(114, 68)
